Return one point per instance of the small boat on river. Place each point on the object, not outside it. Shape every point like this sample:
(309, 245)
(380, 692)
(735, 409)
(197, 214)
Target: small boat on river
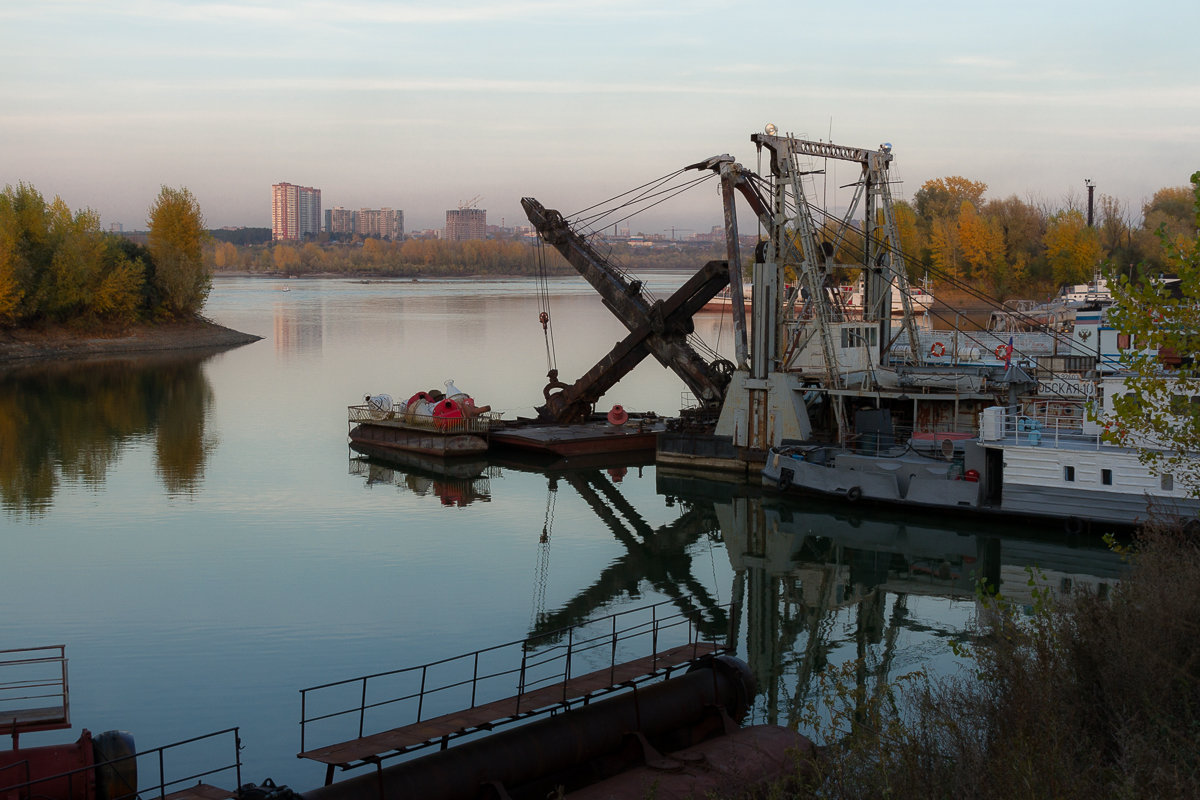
(433, 423)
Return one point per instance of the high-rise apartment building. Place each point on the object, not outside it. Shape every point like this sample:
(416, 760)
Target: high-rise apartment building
(295, 211)
(466, 223)
(339, 220)
(386, 223)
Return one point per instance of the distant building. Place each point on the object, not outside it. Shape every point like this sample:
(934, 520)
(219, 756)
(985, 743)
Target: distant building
(339, 220)
(295, 212)
(386, 223)
(464, 224)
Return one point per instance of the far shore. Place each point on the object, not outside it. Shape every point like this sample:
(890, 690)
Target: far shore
(30, 345)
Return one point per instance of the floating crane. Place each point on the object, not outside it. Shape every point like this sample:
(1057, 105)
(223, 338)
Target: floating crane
(658, 328)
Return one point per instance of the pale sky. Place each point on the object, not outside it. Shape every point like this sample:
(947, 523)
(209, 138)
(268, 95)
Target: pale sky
(421, 106)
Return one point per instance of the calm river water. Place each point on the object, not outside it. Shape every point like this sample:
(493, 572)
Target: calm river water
(195, 530)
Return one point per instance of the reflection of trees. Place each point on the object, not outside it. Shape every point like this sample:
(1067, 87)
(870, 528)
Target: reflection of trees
(73, 420)
(181, 447)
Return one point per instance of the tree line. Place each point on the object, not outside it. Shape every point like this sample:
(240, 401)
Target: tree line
(416, 257)
(57, 266)
(950, 233)
(1011, 247)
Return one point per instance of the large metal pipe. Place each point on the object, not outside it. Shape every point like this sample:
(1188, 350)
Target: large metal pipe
(572, 748)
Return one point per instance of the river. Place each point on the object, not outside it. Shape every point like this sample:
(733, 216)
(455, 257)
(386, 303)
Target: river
(195, 530)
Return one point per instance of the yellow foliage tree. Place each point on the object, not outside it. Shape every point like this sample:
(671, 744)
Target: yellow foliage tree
(982, 245)
(119, 294)
(1072, 248)
(10, 287)
(76, 268)
(225, 255)
(177, 234)
(944, 249)
(285, 257)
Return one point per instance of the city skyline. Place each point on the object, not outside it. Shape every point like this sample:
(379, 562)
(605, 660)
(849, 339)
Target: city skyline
(576, 103)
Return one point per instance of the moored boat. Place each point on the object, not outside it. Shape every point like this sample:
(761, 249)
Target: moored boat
(434, 423)
(1040, 460)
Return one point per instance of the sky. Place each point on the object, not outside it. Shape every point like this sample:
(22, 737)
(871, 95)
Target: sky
(426, 106)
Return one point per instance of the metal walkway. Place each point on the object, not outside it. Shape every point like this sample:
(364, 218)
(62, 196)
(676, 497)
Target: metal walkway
(554, 688)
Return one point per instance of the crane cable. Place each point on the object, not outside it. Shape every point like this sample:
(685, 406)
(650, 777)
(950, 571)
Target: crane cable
(543, 293)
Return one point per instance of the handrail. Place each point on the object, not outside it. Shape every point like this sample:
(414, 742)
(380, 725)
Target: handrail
(364, 412)
(24, 790)
(42, 667)
(539, 660)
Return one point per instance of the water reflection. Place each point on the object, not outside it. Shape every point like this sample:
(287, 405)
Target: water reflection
(816, 585)
(822, 586)
(456, 483)
(298, 329)
(72, 421)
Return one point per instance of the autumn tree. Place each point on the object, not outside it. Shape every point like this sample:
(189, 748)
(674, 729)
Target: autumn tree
(945, 254)
(1072, 248)
(225, 255)
(1168, 212)
(177, 237)
(1160, 413)
(77, 263)
(1022, 228)
(25, 251)
(285, 258)
(905, 217)
(941, 198)
(982, 247)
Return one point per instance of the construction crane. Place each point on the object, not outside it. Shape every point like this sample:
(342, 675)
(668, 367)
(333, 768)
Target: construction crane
(463, 205)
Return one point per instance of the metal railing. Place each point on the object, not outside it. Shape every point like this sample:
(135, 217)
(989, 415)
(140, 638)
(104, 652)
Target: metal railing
(82, 776)
(1053, 423)
(528, 664)
(364, 412)
(42, 677)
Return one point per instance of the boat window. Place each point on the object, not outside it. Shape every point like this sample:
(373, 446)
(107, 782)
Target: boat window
(1167, 482)
(1106, 477)
(1068, 473)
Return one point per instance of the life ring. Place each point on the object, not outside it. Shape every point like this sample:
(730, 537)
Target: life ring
(1073, 525)
(938, 350)
(1001, 350)
(854, 494)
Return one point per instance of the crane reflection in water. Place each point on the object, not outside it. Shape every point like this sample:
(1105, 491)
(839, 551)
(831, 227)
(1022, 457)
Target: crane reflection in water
(814, 586)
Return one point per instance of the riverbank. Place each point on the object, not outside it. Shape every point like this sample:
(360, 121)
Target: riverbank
(25, 345)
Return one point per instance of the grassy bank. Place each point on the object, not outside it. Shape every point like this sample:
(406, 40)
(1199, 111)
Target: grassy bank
(1086, 697)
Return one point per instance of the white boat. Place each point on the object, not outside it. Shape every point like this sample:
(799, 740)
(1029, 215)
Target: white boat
(1044, 459)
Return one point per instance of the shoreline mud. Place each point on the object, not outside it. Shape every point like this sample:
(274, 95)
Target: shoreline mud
(27, 346)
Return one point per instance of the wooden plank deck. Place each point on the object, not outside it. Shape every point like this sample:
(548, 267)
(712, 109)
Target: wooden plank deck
(201, 791)
(368, 749)
(33, 719)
